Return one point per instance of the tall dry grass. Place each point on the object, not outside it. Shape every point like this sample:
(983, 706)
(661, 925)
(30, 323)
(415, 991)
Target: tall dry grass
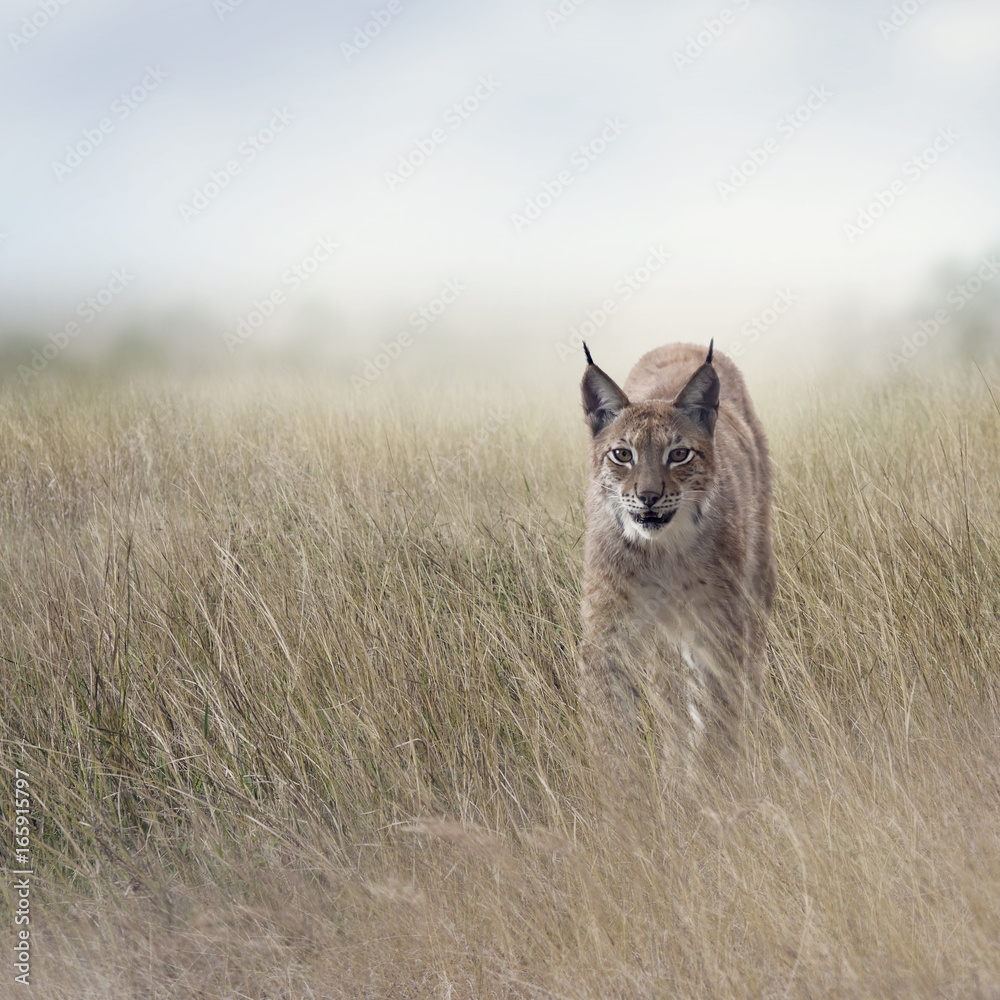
(293, 674)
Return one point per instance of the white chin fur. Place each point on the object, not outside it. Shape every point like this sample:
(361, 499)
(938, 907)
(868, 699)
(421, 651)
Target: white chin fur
(637, 533)
(680, 529)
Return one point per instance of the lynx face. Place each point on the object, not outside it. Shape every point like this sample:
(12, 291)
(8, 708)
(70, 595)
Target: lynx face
(653, 460)
(655, 467)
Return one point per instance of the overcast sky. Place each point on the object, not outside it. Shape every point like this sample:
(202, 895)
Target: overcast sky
(618, 124)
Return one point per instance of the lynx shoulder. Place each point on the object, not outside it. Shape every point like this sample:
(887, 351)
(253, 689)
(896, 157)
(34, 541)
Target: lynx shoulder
(678, 573)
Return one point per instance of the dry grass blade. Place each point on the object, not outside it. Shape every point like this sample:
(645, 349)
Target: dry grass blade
(295, 681)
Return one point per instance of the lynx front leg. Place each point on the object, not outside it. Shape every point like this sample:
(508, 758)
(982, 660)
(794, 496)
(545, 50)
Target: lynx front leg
(632, 696)
(609, 692)
(717, 691)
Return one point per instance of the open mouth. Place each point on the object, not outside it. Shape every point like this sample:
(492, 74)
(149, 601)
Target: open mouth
(649, 519)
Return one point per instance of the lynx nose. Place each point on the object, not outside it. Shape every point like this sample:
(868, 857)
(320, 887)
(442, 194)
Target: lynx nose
(648, 497)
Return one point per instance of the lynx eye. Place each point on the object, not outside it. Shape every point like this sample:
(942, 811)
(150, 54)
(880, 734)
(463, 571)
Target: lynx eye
(621, 455)
(678, 456)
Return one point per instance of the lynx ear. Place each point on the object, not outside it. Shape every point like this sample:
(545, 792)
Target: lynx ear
(699, 399)
(602, 399)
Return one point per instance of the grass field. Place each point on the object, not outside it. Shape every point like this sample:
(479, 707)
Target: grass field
(293, 674)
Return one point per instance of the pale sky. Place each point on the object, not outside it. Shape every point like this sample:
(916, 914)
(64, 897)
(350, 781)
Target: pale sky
(594, 96)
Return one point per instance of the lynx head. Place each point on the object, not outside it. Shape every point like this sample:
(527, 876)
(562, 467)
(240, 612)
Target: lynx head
(655, 460)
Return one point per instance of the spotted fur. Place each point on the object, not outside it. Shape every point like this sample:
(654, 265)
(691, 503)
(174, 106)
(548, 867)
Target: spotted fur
(679, 573)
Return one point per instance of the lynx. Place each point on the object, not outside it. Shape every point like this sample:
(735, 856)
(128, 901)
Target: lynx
(678, 574)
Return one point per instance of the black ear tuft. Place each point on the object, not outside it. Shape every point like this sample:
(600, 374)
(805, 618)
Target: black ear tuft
(586, 351)
(602, 399)
(711, 345)
(699, 399)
